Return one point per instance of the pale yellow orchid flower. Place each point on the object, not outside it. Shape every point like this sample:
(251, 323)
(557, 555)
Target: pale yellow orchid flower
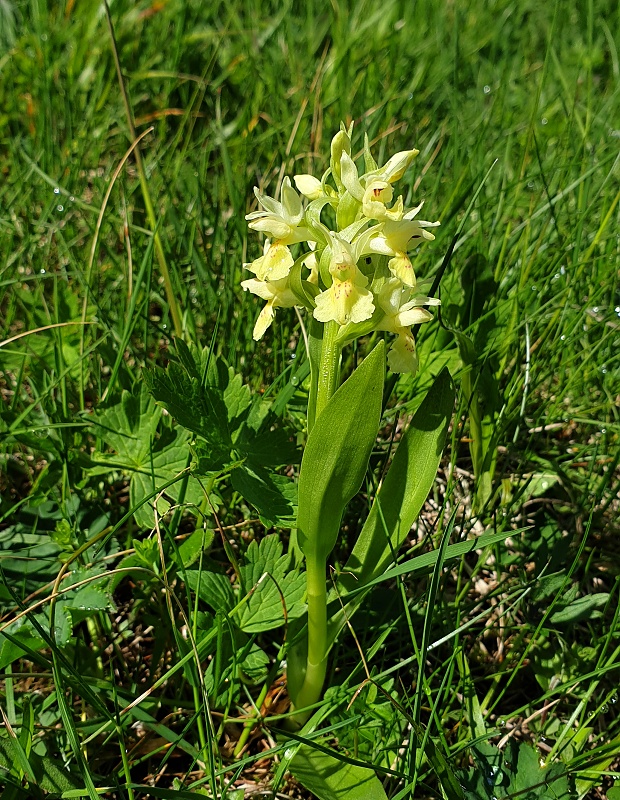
(309, 186)
(401, 312)
(276, 293)
(373, 189)
(280, 220)
(394, 239)
(347, 299)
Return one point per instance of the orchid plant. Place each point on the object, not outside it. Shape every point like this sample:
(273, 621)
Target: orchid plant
(354, 276)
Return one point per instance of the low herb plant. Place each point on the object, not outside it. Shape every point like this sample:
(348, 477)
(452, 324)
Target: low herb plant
(354, 277)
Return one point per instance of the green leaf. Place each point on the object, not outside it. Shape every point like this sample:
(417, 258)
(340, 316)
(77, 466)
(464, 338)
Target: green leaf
(237, 397)
(48, 774)
(197, 407)
(331, 779)
(336, 456)
(532, 780)
(423, 564)
(20, 632)
(274, 496)
(275, 586)
(581, 608)
(88, 598)
(256, 664)
(212, 587)
(189, 551)
(129, 427)
(266, 447)
(404, 489)
(168, 458)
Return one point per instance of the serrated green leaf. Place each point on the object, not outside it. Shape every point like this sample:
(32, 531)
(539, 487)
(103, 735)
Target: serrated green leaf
(336, 455)
(151, 462)
(196, 407)
(266, 448)
(89, 598)
(129, 426)
(212, 587)
(169, 458)
(274, 496)
(329, 778)
(267, 571)
(255, 664)
(237, 397)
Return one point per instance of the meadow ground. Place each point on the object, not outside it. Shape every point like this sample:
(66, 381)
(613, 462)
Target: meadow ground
(124, 675)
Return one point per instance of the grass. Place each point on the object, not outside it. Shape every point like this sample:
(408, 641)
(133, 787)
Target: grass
(136, 689)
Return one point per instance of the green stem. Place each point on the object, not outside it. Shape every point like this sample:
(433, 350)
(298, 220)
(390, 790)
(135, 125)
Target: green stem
(316, 664)
(329, 366)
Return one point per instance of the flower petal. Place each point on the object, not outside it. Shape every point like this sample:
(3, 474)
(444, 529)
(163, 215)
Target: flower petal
(309, 186)
(400, 266)
(397, 165)
(402, 356)
(291, 203)
(275, 264)
(344, 302)
(376, 196)
(260, 288)
(271, 224)
(264, 320)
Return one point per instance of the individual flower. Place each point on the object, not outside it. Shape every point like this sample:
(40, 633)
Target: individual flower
(373, 189)
(375, 199)
(400, 313)
(393, 240)
(395, 167)
(280, 220)
(276, 293)
(274, 264)
(347, 299)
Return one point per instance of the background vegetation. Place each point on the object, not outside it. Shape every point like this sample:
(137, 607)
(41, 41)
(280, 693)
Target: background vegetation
(520, 641)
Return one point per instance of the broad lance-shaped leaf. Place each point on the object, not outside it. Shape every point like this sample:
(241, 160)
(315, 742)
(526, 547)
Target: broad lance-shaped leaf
(337, 453)
(404, 489)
